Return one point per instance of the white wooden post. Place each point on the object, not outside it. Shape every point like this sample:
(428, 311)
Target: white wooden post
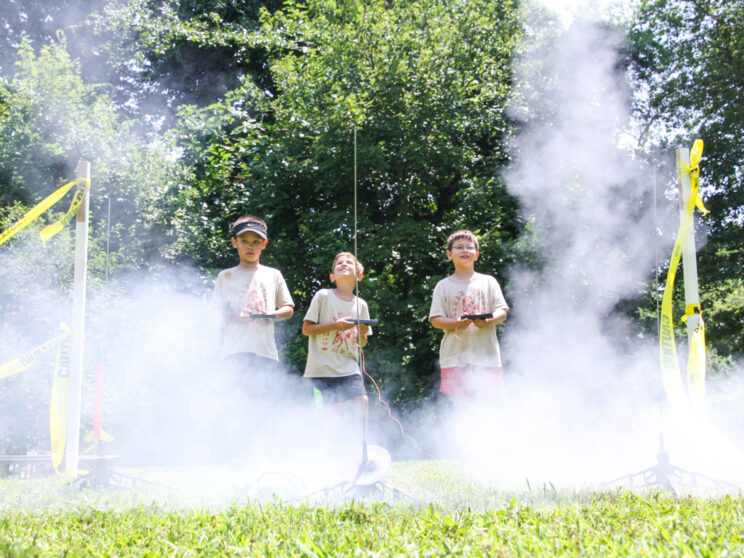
(689, 261)
(72, 449)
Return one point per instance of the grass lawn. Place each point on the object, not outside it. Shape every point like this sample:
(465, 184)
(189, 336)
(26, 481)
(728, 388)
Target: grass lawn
(221, 512)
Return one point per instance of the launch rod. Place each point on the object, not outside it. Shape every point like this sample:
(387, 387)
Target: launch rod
(689, 261)
(72, 448)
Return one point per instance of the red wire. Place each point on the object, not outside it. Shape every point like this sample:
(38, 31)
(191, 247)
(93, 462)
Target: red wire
(390, 412)
(457, 323)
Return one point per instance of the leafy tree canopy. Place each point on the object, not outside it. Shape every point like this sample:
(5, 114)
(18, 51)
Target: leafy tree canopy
(422, 86)
(687, 62)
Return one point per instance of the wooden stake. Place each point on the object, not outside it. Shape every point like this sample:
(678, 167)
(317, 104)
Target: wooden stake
(72, 448)
(689, 261)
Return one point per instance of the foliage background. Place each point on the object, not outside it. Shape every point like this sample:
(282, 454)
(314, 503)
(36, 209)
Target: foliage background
(196, 111)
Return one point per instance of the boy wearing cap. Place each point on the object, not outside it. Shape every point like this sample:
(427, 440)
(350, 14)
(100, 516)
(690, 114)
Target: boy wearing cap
(250, 297)
(247, 292)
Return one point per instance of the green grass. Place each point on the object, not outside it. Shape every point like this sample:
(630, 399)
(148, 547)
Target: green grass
(220, 513)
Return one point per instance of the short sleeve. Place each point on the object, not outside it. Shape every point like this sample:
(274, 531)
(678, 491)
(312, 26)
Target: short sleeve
(438, 302)
(313, 313)
(283, 297)
(498, 302)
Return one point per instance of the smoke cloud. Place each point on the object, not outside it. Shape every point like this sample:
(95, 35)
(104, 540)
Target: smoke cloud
(583, 403)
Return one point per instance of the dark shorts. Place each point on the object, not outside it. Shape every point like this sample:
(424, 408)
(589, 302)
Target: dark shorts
(251, 374)
(330, 391)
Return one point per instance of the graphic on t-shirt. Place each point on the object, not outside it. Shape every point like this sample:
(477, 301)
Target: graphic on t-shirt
(255, 301)
(341, 342)
(468, 302)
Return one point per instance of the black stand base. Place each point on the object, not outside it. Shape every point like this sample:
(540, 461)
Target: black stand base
(367, 481)
(667, 477)
(101, 475)
(347, 491)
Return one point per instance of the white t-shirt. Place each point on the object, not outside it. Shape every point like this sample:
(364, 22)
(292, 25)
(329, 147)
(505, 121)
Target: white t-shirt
(481, 294)
(334, 353)
(259, 291)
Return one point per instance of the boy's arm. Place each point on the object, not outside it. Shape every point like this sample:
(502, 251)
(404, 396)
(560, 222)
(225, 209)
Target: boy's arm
(284, 312)
(438, 312)
(281, 313)
(499, 316)
(284, 304)
(221, 307)
(497, 302)
(312, 328)
(449, 324)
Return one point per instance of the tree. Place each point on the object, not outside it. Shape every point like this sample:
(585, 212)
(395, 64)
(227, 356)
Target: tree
(687, 60)
(165, 53)
(422, 86)
(39, 22)
(153, 54)
(49, 119)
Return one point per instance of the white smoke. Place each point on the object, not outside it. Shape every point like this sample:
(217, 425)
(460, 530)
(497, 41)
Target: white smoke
(583, 402)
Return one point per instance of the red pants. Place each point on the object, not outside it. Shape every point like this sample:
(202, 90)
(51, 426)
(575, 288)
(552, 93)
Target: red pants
(469, 380)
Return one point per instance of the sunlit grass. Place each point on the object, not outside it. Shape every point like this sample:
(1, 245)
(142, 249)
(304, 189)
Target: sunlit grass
(438, 511)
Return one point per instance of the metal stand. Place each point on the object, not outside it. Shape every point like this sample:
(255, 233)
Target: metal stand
(367, 482)
(668, 477)
(101, 475)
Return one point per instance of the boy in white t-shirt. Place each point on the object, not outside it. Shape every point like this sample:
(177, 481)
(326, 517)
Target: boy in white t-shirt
(334, 341)
(469, 355)
(249, 298)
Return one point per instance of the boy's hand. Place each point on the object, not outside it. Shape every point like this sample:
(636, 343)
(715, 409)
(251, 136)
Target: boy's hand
(480, 320)
(254, 315)
(341, 324)
(463, 323)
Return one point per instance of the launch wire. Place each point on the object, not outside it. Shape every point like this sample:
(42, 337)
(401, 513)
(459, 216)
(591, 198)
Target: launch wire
(359, 332)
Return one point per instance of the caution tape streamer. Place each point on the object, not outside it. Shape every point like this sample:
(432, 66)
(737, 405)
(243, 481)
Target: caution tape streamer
(58, 406)
(77, 200)
(696, 369)
(27, 359)
(670, 373)
(82, 186)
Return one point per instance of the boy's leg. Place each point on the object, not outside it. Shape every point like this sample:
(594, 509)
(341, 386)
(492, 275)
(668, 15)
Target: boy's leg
(349, 429)
(251, 403)
(326, 423)
(485, 383)
(345, 406)
(472, 381)
(453, 380)
(456, 387)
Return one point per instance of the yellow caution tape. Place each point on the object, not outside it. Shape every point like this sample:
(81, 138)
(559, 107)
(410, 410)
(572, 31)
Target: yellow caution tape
(691, 310)
(693, 169)
(696, 369)
(58, 406)
(40, 208)
(670, 374)
(50, 230)
(27, 359)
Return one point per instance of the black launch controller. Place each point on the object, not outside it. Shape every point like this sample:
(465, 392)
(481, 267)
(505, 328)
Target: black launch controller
(363, 322)
(476, 316)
